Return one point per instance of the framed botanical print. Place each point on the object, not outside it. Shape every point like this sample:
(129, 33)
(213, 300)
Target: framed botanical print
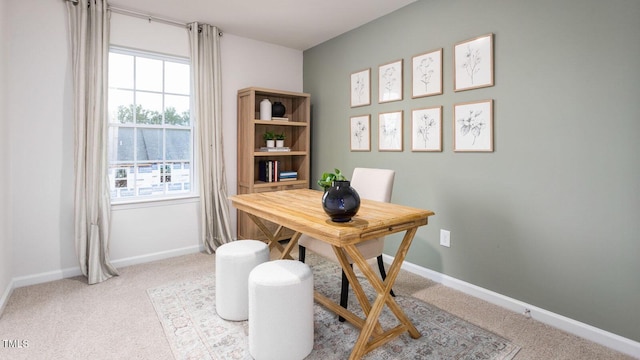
(361, 88)
(426, 129)
(360, 133)
(473, 126)
(426, 74)
(473, 63)
(390, 82)
(390, 131)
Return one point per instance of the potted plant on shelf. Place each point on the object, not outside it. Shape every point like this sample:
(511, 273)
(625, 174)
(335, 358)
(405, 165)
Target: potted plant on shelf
(269, 137)
(280, 139)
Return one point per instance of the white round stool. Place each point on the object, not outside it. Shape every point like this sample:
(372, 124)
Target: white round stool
(280, 310)
(234, 262)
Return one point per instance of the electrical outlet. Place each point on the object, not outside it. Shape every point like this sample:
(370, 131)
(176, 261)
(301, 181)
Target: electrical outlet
(445, 238)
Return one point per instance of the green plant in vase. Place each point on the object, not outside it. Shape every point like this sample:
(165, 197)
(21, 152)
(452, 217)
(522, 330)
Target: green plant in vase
(328, 178)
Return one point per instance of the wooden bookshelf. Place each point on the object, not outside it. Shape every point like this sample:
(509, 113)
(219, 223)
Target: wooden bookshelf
(250, 138)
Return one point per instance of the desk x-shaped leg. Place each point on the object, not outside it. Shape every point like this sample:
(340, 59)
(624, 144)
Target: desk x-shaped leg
(273, 237)
(371, 328)
(371, 333)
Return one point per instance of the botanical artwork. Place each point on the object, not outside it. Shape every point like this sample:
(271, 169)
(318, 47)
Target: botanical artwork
(390, 131)
(361, 88)
(426, 129)
(390, 82)
(427, 74)
(473, 126)
(473, 63)
(361, 133)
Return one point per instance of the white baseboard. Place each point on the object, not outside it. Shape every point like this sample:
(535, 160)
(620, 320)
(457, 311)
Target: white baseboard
(591, 333)
(75, 271)
(5, 297)
(46, 277)
(135, 260)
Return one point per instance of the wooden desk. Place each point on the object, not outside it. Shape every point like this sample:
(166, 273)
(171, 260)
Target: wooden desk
(301, 211)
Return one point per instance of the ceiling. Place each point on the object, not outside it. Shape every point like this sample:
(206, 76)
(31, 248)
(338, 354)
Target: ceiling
(296, 24)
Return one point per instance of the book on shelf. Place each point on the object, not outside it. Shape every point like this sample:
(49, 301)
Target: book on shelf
(275, 149)
(269, 171)
(288, 175)
(279, 118)
(263, 170)
(282, 178)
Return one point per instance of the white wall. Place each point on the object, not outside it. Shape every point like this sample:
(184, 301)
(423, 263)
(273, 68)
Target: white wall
(5, 242)
(247, 63)
(38, 110)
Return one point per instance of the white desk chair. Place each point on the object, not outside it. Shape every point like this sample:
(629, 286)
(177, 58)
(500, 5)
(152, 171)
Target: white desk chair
(371, 184)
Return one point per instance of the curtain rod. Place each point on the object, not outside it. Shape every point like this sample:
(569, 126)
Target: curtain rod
(140, 15)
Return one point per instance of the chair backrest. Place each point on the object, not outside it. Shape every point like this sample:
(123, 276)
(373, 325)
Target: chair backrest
(373, 184)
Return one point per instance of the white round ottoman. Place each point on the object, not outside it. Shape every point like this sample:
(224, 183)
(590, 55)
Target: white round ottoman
(280, 310)
(234, 262)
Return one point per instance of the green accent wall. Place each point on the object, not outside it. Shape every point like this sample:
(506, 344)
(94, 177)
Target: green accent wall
(552, 216)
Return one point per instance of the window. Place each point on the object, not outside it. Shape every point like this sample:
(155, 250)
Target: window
(150, 149)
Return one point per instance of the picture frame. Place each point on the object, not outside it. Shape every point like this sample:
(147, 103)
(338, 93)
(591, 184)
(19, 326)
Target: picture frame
(473, 126)
(360, 130)
(390, 81)
(473, 63)
(426, 76)
(426, 129)
(361, 88)
(390, 131)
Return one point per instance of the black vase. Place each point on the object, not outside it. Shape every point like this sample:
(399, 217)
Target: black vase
(341, 202)
(277, 109)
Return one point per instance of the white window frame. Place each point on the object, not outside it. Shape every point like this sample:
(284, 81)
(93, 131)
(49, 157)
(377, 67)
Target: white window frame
(193, 192)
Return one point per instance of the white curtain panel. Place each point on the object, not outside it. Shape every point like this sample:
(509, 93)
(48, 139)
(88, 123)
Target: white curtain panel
(206, 107)
(89, 34)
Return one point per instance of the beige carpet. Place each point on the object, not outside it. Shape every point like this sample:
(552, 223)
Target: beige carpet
(68, 319)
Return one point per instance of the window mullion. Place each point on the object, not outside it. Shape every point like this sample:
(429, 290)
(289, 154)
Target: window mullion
(145, 94)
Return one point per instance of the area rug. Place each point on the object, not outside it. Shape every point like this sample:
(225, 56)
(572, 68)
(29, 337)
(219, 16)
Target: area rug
(195, 331)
